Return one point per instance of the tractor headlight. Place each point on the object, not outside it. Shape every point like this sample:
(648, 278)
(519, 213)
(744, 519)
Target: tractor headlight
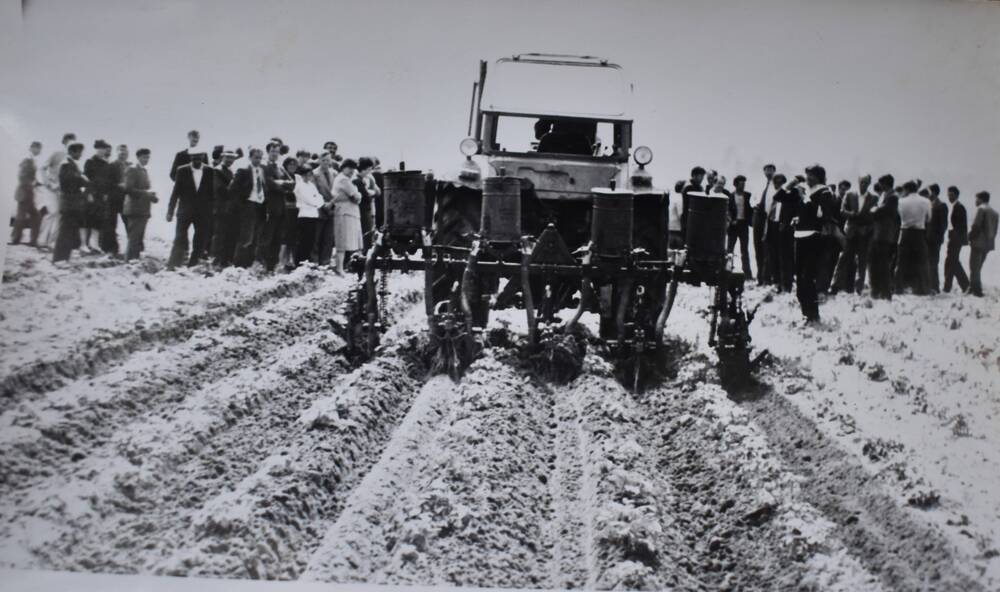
(468, 146)
(642, 155)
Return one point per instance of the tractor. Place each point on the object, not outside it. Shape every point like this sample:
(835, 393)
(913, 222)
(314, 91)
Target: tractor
(547, 216)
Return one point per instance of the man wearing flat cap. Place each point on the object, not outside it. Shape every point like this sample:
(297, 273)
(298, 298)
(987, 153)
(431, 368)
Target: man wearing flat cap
(137, 206)
(191, 199)
(98, 170)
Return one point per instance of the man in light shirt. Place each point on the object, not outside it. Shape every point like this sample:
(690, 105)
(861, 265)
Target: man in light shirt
(739, 223)
(675, 232)
(911, 255)
(759, 223)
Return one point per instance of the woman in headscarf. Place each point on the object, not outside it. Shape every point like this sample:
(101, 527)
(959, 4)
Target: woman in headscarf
(346, 213)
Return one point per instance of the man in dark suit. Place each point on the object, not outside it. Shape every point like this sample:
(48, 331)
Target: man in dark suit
(137, 204)
(885, 237)
(779, 236)
(958, 237)
(247, 193)
(191, 199)
(936, 231)
(184, 156)
(72, 199)
(226, 214)
(27, 214)
(98, 172)
(856, 212)
(759, 223)
(277, 183)
(982, 240)
(116, 201)
(739, 222)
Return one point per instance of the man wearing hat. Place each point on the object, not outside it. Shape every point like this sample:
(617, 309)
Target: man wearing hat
(184, 156)
(982, 240)
(137, 206)
(226, 214)
(98, 170)
(191, 199)
(27, 215)
(815, 207)
(72, 199)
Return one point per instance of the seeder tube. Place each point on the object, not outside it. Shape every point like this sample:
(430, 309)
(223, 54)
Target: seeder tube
(529, 303)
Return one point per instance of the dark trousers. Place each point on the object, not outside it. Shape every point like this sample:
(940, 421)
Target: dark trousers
(187, 219)
(781, 258)
(953, 268)
(911, 261)
(976, 259)
(270, 237)
(760, 250)
(305, 250)
(26, 217)
(740, 231)
(68, 237)
(933, 261)
(808, 251)
(853, 264)
(205, 225)
(252, 217)
(225, 233)
(108, 239)
(773, 270)
(880, 269)
(829, 254)
(675, 239)
(135, 229)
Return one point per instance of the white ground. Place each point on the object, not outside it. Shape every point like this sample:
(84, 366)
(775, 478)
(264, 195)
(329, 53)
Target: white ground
(172, 423)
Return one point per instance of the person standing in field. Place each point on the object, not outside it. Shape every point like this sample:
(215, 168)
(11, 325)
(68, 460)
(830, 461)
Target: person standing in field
(308, 201)
(226, 215)
(247, 191)
(675, 233)
(739, 223)
(277, 182)
(936, 231)
(346, 214)
(958, 237)
(780, 234)
(885, 236)
(323, 177)
(856, 210)
(98, 172)
(911, 259)
(759, 224)
(49, 195)
(27, 216)
(191, 200)
(116, 200)
(813, 207)
(137, 205)
(982, 239)
(369, 193)
(72, 200)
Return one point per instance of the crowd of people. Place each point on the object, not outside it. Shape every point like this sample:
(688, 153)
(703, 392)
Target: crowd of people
(825, 239)
(283, 210)
(278, 210)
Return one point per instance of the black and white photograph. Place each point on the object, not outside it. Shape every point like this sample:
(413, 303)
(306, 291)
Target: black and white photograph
(321, 295)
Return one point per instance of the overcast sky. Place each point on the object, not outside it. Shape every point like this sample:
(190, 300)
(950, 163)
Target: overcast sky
(906, 86)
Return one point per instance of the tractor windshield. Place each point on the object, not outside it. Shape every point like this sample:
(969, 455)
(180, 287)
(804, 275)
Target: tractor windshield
(585, 89)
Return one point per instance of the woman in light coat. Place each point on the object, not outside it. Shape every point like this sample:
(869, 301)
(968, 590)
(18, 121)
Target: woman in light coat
(346, 213)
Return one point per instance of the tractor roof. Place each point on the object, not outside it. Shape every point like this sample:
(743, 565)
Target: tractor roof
(534, 84)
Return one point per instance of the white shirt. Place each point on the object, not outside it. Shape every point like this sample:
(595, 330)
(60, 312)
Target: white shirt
(197, 174)
(676, 209)
(307, 198)
(257, 186)
(914, 211)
